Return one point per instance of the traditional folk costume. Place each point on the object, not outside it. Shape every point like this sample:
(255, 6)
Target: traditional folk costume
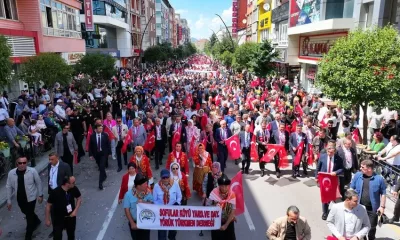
(182, 181)
(178, 157)
(210, 182)
(143, 164)
(227, 203)
(203, 165)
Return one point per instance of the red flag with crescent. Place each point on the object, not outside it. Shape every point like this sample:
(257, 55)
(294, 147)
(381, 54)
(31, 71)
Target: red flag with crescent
(127, 141)
(237, 188)
(310, 159)
(294, 126)
(253, 149)
(89, 133)
(273, 149)
(328, 186)
(283, 158)
(299, 110)
(150, 142)
(355, 136)
(299, 153)
(176, 138)
(233, 145)
(252, 127)
(323, 124)
(109, 133)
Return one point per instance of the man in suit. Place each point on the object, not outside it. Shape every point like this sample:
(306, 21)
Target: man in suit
(221, 135)
(161, 141)
(275, 124)
(125, 113)
(120, 131)
(350, 164)
(56, 170)
(245, 144)
(262, 139)
(295, 140)
(178, 126)
(139, 133)
(348, 213)
(280, 137)
(99, 150)
(66, 151)
(333, 165)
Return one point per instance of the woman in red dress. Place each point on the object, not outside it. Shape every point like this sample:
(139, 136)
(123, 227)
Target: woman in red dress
(143, 163)
(203, 163)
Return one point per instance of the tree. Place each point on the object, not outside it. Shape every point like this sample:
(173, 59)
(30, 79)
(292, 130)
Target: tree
(220, 47)
(266, 54)
(213, 40)
(5, 62)
(98, 66)
(47, 68)
(363, 69)
(245, 56)
(227, 59)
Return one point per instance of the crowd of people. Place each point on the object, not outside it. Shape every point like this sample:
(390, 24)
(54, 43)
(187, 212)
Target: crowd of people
(163, 112)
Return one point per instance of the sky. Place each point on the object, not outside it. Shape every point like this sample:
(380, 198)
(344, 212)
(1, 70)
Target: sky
(201, 17)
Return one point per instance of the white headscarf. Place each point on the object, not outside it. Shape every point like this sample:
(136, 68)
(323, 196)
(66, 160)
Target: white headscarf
(179, 171)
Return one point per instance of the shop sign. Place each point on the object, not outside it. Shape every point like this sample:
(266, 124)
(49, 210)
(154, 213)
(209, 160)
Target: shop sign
(234, 17)
(74, 57)
(89, 15)
(304, 12)
(280, 13)
(265, 21)
(316, 46)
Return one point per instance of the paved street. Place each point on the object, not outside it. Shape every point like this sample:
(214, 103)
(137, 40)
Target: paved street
(267, 198)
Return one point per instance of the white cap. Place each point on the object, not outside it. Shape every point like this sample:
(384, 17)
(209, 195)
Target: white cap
(59, 101)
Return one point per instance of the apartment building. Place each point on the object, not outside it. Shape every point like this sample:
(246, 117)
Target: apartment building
(252, 21)
(148, 18)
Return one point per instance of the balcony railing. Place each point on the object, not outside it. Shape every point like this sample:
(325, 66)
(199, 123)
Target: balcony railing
(61, 33)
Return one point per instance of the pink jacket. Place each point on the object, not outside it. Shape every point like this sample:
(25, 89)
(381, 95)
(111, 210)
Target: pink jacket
(110, 124)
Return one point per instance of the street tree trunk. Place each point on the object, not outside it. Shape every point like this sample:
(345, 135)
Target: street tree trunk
(365, 123)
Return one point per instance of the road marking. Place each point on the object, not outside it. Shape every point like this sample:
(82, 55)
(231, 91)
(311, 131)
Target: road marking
(108, 219)
(248, 219)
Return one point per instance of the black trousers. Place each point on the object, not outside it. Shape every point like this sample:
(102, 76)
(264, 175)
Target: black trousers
(68, 158)
(69, 224)
(373, 219)
(246, 159)
(222, 156)
(276, 163)
(139, 234)
(303, 162)
(118, 152)
(170, 144)
(28, 208)
(101, 161)
(396, 212)
(228, 234)
(79, 139)
(261, 153)
(159, 152)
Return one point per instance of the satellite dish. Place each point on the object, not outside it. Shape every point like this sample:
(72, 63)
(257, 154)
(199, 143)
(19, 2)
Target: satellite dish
(266, 7)
(244, 21)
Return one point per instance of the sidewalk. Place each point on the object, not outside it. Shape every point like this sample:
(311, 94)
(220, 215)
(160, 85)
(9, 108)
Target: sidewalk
(41, 164)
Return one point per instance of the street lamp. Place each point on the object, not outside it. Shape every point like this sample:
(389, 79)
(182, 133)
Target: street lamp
(141, 41)
(233, 45)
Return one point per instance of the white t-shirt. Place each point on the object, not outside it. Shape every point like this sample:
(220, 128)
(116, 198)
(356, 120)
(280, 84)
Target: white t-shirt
(97, 92)
(131, 181)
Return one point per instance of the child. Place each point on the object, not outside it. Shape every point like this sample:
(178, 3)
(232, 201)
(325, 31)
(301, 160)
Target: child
(40, 123)
(34, 131)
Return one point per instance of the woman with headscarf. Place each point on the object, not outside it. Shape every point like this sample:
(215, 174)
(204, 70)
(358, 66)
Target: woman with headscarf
(181, 180)
(202, 119)
(225, 198)
(143, 163)
(109, 122)
(193, 136)
(210, 182)
(127, 181)
(203, 163)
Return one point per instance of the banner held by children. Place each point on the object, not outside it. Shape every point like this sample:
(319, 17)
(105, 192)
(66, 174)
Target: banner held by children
(173, 217)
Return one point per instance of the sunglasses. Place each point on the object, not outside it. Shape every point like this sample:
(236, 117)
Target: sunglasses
(165, 177)
(174, 168)
(22, 163)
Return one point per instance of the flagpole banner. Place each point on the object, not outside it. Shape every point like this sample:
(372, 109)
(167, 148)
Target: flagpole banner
(173, 217)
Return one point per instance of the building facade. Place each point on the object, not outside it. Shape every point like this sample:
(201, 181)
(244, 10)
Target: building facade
(162, 21)
(134, 20)
(252, 21)
(264, 20)
(35, 26)
(148, 18)
(110, 31)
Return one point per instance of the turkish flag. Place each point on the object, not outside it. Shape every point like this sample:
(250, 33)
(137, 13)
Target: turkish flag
(192, 147)
(355, 135)
(283, 158)
(331, 238)
(128, 140)
(273, 149)
(252, 127)
(310, 159)
(233, 145)
(277, 101)
(299, 153)
(328, 186)
(175, 139)
(150, 142)
(237, 188)
(323, 124)
(294, 126)
(253, 149)
(299, 110)
(89, 133)
(109, 133)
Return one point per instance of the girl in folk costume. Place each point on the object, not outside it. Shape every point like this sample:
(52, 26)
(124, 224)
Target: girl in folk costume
(143, 163)
(193, 134)
(182, 181)
(202, 119)
(179, 157)
(207, 140)
(210, 182)
(225, 198)
(203, 163)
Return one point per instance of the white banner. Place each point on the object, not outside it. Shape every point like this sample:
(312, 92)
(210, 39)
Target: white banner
(166, 217)
(200, 71)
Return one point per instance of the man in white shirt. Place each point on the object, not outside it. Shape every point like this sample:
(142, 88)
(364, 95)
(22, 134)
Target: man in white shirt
(169, 97)
(392, 156)
(59, 110)
(163, 187)
(348, 220)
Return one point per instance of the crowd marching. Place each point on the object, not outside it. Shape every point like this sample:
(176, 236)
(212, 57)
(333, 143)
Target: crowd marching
(197, 113)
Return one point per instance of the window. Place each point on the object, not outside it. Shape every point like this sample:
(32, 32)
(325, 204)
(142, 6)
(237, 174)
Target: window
(283, 37)
(8, 9)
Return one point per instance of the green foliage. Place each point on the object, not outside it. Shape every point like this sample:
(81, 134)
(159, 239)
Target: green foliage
(220, 47)
(227, 58)
(266, 54)
(47, 68)
(98, 66)
(363, 68)
(5, 62)
(245, 56)
(165, 52)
